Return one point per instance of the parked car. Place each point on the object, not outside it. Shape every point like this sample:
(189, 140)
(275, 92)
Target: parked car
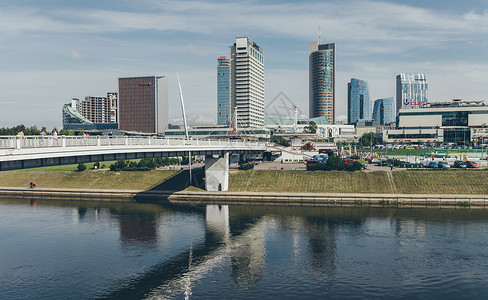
(471, 164)
(459, 164)
(443, 165)
(433, 164)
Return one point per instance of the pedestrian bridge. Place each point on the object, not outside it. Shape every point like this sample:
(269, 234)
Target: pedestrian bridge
(20, 152)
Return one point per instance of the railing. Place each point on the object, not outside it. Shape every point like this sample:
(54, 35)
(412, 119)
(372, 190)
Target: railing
(29, 142)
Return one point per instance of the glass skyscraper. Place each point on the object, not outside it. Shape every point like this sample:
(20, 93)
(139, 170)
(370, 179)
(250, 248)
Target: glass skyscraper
(358, 101)
(384, 111)
(322, 80)
(411, 90)
(224, 113)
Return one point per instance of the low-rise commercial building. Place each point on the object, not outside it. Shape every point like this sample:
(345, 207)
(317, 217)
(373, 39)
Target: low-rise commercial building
(450, 122)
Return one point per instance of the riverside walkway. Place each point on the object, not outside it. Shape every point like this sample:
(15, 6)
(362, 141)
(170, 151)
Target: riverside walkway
(251, 198)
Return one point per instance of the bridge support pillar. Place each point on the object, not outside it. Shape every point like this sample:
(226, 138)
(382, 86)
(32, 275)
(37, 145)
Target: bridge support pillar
(217, 173)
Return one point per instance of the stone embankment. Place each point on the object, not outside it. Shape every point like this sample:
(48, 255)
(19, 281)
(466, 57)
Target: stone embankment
(251, 198)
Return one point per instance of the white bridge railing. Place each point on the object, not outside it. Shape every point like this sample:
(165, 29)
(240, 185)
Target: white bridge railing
(29, 142)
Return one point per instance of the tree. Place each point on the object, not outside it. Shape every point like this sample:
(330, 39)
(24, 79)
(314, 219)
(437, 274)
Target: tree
(81, 167)
(367, 139)
(311, 127)
(308, 146)
(279, 140)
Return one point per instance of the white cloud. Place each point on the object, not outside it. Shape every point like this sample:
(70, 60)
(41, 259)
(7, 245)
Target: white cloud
(375, 41)
(75, 54)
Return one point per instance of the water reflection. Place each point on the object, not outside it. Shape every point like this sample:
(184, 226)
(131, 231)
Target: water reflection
(134, 251)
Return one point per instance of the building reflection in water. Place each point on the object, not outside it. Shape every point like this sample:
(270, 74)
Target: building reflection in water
(139, 230)
(136, 228)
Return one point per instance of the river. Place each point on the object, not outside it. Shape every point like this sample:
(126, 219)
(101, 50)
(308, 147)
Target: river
(96, 250)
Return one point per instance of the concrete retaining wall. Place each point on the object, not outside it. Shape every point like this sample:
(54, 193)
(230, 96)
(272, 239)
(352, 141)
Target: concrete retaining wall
(366, 200)
(83, 195)
(250, 198)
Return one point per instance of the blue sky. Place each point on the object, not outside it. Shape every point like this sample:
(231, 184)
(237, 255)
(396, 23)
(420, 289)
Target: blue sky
(54, 50)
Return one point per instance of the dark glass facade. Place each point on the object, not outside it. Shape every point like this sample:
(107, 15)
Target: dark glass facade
(455, 118)
(358, 101)
(384, 111)
(322, 82)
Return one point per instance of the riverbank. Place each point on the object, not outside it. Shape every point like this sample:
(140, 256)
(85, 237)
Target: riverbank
(430, 182)
(198, 198)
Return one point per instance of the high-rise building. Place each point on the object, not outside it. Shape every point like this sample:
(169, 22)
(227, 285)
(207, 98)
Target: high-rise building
(100, 109)
(143, 104)
(384, 111)
(322, 80)
(411, 90)
(358, 101)
(74, 120)
(247, 82)
(224, 111)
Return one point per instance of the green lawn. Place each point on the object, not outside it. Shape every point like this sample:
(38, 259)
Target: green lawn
(441, 181)
(89, 179)
(74, 167)
(279, 181)
(293, 181)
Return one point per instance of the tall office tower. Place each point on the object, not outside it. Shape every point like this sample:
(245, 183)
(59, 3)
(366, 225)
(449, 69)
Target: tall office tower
(322, 80)
(99, 109)
(384, 111)
(358, 101)
(411, 90)
(224, 112)
(143, 104)
(247, 82)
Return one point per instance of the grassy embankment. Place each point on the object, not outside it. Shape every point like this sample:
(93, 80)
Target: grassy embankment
(88, 179)
(287, 181)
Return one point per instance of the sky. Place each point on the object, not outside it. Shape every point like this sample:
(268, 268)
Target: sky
(55, 50)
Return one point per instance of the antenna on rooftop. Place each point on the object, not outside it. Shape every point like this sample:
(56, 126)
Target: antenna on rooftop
(319, 34)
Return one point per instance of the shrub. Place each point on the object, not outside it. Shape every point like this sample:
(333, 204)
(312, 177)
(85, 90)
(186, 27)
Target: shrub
(246, 166)
(81, 167)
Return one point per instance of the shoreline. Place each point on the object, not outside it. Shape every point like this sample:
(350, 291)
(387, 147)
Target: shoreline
(251, 198)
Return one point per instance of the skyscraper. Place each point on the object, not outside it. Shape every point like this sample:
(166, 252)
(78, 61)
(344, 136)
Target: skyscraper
(143, 104)
(411, 90)
(358, 101)
(247, 82)
(224, 112)
(384, 111)
(322, 80)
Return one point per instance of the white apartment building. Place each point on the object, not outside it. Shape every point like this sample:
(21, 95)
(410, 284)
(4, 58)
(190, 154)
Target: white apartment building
(247, 82)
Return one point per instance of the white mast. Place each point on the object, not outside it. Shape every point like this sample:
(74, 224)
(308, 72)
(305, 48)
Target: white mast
(184, 121)
(182, 106)
(295, 118)
(235, 119)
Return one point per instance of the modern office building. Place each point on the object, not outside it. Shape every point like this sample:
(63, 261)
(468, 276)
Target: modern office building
(411, 90)
(247, 82)
(143, 104)
(450, 122)
(322, 80)
(74, 120)
(224, 111)
(384, 111)
(358, 101)
(100, 109)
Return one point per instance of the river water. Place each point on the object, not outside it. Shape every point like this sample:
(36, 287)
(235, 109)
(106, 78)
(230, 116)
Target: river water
(80, 250)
